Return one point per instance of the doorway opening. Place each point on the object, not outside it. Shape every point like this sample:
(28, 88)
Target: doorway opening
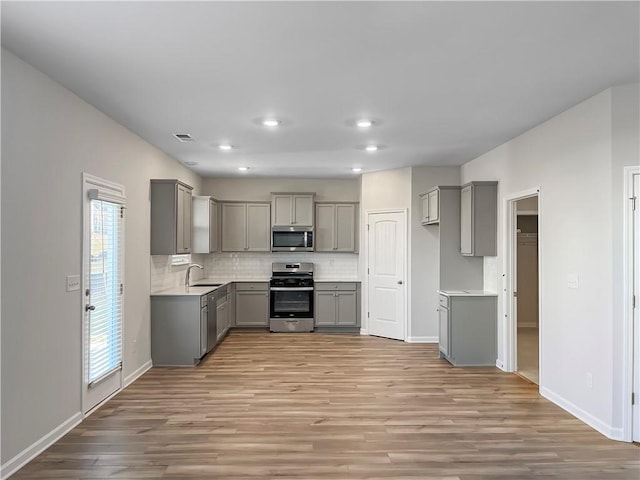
(522, 324)
(527, 294)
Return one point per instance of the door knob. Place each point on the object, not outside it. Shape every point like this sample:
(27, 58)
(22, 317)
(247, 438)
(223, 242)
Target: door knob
(399, 282)
(88, 307)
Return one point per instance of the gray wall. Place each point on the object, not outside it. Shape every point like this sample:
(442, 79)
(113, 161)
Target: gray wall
(49, 137)
(387, 190)
(259, 189)
(424, 252)
(625, 150)
(576, 159)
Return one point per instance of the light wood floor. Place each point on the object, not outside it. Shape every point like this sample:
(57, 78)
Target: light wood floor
(313, 406)
(528, 353)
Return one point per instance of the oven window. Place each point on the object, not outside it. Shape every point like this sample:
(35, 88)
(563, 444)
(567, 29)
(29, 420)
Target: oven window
(286, 303)
(289, 239)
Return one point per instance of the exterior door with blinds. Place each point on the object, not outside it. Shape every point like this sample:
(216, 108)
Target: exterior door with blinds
(103, 290)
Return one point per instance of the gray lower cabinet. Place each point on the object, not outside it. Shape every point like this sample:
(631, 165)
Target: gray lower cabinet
(467, 329)
(337, 304)
(222, 314)
(231, 305)
(179, 329)
(252, 304)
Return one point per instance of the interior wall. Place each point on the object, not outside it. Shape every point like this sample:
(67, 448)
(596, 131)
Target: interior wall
(386, 190)
(259, 189)
(570, 158)
(49, 137)
(625, 150)
(425, 246)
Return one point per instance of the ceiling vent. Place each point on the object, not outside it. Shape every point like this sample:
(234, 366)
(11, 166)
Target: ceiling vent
(183, 137)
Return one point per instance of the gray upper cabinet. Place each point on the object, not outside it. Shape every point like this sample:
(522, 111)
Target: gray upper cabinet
(246, 227)
(292, 209)
(171, 210)
(479, 219)
(336, 227)
(430, 203)
(205, 225)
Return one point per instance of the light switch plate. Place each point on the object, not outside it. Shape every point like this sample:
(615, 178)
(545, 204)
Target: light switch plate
(573, 280)
(73, 283)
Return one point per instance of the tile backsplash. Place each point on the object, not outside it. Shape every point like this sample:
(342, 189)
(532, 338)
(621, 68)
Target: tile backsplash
(252, 265)
(165, 275)
(338, 266)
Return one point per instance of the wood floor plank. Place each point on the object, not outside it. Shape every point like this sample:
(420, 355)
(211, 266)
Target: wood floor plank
(316, 406)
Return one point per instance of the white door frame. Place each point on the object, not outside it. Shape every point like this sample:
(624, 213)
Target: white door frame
(364, 324)
(93, 182)
(510, 318)
(629, 334)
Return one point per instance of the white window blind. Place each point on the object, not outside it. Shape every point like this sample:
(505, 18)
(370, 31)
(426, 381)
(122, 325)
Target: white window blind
(106, 288)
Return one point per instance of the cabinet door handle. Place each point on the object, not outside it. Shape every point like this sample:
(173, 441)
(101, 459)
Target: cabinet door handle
(88, 307)
(399, 282)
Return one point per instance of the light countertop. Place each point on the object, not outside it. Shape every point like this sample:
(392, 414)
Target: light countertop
(182, 291)
(467, 293)
(203, 290)
(336, 280)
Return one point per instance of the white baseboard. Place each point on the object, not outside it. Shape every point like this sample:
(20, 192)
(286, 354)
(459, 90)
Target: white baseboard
(363, 332)
(500, 365)
(129, 379)
(32, 451)
(422, 340)
(580, 414)
(527, 325)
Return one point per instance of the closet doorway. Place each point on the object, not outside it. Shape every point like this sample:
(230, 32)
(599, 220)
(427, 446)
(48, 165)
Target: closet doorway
(527, 294)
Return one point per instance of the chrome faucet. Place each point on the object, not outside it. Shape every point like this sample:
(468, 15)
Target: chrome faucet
(186, 278)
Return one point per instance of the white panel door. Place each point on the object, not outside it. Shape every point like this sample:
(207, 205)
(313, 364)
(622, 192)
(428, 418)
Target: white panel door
(386, 266)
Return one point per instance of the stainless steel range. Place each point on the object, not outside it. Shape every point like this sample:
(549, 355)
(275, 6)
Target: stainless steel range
(291, 297)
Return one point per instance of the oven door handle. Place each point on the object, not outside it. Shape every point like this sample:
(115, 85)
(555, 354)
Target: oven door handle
(291, 289)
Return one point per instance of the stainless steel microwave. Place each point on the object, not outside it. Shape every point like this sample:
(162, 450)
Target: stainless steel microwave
(292, 239)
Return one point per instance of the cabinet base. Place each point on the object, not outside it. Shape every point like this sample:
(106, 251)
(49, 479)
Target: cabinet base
(290, 325)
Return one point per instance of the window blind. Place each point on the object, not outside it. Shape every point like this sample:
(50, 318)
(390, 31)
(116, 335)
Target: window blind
(106, 289)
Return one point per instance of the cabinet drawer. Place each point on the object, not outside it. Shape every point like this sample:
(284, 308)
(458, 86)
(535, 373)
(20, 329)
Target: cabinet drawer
(444, 301)
(252, 286)
(324, 286)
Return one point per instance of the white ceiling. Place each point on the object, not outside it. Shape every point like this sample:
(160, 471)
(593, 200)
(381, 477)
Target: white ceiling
(447, 80)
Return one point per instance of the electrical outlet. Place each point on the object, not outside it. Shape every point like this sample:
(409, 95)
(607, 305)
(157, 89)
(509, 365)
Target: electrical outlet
(73, 283)
(572, 280)
(589, 380)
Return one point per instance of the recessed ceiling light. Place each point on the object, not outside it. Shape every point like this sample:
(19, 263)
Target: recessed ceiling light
(191, 164)
(271, 122)
(364, 123)
(371, 148)
(356, 169)
(183, 137)
(226, 147)
(243, 169)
